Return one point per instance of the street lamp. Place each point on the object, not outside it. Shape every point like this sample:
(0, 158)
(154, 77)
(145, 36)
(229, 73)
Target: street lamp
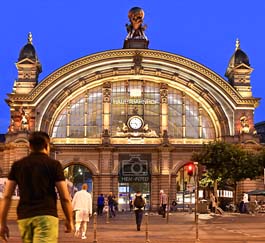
(196, 199)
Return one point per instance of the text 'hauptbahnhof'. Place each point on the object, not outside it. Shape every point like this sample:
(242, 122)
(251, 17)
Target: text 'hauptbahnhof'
(129, 119)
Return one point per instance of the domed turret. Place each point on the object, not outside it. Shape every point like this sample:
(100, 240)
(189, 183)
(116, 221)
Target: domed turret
(238, 57)
(28, 51)
(28, 67)
(238, 72)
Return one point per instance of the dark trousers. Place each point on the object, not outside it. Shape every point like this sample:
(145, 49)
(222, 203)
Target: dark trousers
(100, 209)
(111, 210)
(164, 206)
(138, 218)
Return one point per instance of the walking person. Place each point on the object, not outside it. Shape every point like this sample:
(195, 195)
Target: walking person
(163, 202)
(100, 204)
(213, 202)
(37, 176)
(139, 203)
(111, 204)
(82, 205)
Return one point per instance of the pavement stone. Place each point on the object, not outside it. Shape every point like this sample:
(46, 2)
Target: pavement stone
(180, 228)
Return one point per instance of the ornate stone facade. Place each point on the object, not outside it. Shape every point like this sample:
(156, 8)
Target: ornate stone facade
(85, 107)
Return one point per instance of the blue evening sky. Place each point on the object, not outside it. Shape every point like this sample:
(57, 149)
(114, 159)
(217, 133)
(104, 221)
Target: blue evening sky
(64, 30)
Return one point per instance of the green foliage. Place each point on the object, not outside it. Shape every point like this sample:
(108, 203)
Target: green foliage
(227, 163)
(261, 160)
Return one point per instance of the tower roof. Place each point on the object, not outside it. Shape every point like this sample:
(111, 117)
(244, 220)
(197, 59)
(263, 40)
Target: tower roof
(238, 57)
(28, 51)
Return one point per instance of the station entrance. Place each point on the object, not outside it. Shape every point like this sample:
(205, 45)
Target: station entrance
(134, 175)
(127, 192)
(76, 175)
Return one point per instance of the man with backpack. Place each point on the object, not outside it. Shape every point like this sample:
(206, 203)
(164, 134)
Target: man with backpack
(139, 204)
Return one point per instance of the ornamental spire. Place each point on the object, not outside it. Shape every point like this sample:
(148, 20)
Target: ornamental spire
(29, 38)
(237, 44)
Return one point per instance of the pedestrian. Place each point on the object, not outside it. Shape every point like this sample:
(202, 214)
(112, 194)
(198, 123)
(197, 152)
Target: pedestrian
(163, 202)
(130, 205)
(213, 202)
(100, 204)
(111, 205)
(139, 204)
(37, 176)
(82, 205)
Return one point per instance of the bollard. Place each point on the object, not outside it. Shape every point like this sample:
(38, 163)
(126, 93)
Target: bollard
(107, 216)
(146, 229)
(95, 228)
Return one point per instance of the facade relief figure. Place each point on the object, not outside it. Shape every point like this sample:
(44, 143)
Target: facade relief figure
(124, 131)
(135, 29)
(244, 125)
(24, 120)
(124, 128)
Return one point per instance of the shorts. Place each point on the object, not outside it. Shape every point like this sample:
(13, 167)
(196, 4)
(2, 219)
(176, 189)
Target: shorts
(39, 229)
(81, 215)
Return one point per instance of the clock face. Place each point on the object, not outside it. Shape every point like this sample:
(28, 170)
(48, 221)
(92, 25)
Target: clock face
(135, 122)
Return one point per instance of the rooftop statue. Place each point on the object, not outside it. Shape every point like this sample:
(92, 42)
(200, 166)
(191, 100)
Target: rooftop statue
(135, 29)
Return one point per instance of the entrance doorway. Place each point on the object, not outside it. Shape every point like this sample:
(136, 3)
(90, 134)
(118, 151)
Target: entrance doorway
(127, 192)
(76, 175)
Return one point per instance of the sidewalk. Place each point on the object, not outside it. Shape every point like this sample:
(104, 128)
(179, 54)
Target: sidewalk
(122, 229)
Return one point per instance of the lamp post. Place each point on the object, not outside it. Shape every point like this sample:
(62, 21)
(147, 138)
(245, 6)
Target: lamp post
(196, 199)
(168, 196)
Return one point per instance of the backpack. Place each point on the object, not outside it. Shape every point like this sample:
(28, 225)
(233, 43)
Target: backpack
(139, 202)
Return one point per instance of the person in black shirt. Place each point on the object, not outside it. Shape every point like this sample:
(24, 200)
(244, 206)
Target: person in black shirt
(37, 176)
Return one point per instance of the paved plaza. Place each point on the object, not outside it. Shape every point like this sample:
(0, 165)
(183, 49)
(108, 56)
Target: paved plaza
(180, 228)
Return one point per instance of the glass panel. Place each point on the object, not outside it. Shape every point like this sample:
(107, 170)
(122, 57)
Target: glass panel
(207, 126)
(94, 112)
(59, 129)
(77, 110)
(192, 118)
(174, 113)
(92, 106)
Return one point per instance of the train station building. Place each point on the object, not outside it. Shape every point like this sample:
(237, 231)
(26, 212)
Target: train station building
(129, 119)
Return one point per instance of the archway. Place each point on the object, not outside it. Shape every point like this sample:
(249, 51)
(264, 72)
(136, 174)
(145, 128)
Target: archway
(76, 175)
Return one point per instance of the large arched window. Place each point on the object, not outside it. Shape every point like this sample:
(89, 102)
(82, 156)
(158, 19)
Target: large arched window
(82, 117)
(135, 97)
(186, 118)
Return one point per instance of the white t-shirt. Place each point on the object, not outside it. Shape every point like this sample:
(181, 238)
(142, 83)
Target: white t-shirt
(82, 201)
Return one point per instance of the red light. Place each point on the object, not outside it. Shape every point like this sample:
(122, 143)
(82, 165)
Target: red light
(190, 169)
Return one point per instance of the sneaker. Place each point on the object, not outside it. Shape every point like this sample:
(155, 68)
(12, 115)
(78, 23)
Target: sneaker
(83, 237)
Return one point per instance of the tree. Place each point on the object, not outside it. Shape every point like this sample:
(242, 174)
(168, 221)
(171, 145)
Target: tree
(261, 160)
(227, 164)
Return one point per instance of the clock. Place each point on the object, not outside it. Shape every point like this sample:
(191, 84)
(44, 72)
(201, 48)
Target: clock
(135, 122)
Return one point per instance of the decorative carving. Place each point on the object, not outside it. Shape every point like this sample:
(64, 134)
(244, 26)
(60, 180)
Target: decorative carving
(24, 120)
(135, 29)
(124, 131)
(137, 59)
(163, 93)
(107, 85)
(106, 92)
(165, 137)
(244, 124)
(106, 137)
